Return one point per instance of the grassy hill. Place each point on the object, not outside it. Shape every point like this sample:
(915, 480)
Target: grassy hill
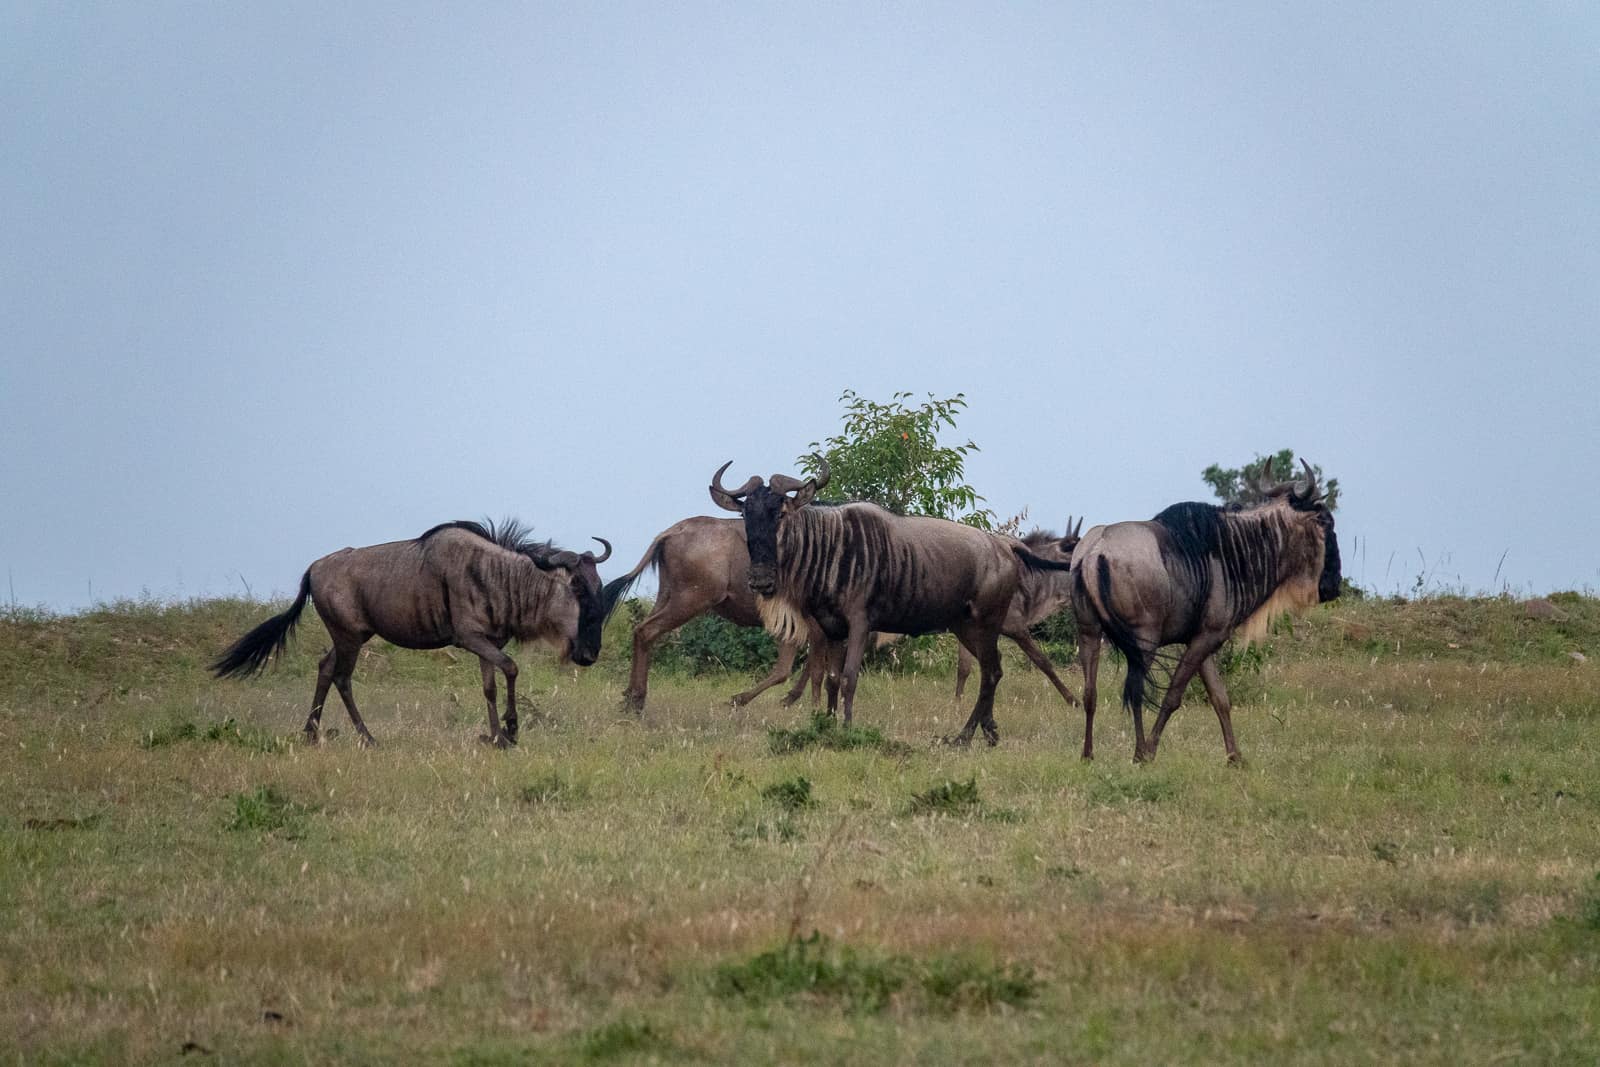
(1406, 868)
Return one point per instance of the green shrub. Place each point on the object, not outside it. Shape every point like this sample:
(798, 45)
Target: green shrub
(824, 731)
(864, 983)
(624, 1038)
(266, 810)
(791, 795)
(812, 966)
(947, 798)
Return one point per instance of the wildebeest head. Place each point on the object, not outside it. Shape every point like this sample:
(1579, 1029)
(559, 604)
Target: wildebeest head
(1048, 545)
(1305, 497)
(764, 507)
(575, 625)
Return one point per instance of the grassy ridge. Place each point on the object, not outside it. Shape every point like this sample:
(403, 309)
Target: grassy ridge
(1405, 870)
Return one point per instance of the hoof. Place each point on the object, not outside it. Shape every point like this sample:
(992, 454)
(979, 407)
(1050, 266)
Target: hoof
(956, 740)
(498, 741)
(311, 737)
(367, 741)
(1237, 760)
(1087, 757)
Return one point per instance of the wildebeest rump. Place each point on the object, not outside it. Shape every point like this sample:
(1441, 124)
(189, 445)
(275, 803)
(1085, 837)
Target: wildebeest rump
(1191, 576)
(1040, 594)
(461, 584)
(703, 565)
(855, 568)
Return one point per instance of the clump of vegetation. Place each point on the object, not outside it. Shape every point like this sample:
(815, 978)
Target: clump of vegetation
(964, 983)
(755, 826)
(1386, 852)
(1141, 788)
(864, 983)
(812, 966)
(947, 798)
(824, 731)
(791, 795)
(227, 731)
(1589, 913)
(266, 810)
(624, 1038)
(550, 789)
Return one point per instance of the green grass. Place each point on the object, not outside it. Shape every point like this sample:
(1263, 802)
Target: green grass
(1405, 869)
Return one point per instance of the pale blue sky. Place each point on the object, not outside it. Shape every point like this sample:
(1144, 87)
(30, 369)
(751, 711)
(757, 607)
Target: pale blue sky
(279, 278)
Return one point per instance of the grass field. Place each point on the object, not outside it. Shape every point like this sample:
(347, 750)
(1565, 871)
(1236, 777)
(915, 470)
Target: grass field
(1407, 869)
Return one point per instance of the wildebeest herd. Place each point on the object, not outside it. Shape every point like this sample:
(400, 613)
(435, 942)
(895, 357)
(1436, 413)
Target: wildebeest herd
(830, 576)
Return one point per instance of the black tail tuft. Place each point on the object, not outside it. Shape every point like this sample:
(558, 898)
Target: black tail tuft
(612, 592)
(252, 652)
(1126, 641)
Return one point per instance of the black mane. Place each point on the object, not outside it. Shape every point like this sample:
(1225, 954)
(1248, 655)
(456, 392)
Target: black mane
(1196, 528)
(1039, 538)
(509, 534)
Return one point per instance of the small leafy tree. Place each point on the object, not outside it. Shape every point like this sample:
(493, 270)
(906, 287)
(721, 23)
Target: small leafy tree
(890, 454)
(1236, 485)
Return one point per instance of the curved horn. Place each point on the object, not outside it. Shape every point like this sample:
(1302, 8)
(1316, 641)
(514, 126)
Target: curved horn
(566, 559)
(822, 476)
(1312, 490)
(603, 541)
(743, 490)
(782, 483)
(727, 500)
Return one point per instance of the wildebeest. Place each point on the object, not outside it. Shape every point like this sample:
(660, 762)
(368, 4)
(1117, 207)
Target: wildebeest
(1040, 594)
(461, 583)
(1191, 576)
(703, 565)
(854, 568)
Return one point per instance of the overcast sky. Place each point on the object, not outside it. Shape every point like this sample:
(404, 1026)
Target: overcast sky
(280, 278)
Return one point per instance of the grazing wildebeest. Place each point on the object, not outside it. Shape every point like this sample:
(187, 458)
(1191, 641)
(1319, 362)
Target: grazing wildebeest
(1191, 576)
(703, 565)
(854, 568)
(1040, 594)
(461, 584)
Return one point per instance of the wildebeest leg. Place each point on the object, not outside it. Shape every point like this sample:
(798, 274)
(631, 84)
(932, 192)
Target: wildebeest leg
(780, 672)
(963, 667)
(833, 673)
(984, 645)
(666, 617)
(1188, 664)
(320, 697)
(1089, 657)
(491, 657)
(1037, 657)
(808, 673)
(1212, 679)
(855, 647)
(343, 667)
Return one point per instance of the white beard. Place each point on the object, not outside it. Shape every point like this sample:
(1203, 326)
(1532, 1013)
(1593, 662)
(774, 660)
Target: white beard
(781, 619)
(1292, 597)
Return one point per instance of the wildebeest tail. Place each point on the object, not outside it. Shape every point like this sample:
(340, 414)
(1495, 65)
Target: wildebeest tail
(1121, 636)
(612, 592)
(1038, 563)
(252, 652)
